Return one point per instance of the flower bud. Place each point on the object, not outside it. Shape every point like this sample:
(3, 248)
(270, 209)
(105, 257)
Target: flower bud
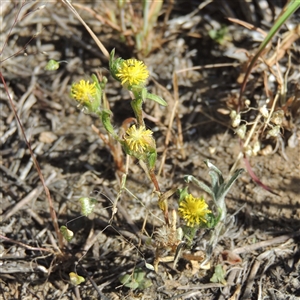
(241, 131)
(236, 121)
(274, 131)
(248, 150)
(256, 148)
(277, 117)
(247, 103)
(264, 111)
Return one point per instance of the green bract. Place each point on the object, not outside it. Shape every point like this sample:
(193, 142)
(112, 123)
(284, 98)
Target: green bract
(114, 64)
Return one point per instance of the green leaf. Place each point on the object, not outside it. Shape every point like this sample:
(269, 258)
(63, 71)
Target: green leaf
(182, 193)
(219, 35)
(76, 279)
(128, 281)
(231, 181)
(219, 275)
(144, 94)
(145, 284)
(212, 221)
(137, 106)
(203, 186)
(139, 275)
(215, 169)
(152, 156)
(114, 64)
(157, 99)
(112, 55)
(87, 205)
(52, 65)
(99, 93)
(214, 181)
(105, 118)
(67, 234)
(136, 280)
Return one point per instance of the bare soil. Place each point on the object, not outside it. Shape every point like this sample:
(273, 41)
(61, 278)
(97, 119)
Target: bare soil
(260, 248)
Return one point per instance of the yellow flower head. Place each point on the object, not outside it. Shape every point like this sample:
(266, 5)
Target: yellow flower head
(132, 72)
(139, 140)
(193, 210)
(86, 94)
(83, 91)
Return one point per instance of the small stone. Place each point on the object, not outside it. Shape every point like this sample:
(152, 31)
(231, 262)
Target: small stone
(47, 137)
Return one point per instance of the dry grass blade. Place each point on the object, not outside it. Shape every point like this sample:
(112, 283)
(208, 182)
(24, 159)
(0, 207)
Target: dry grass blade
(97, 41)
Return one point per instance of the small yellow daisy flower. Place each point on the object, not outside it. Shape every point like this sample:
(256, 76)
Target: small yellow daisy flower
(87, 94)
(132, 72)
(83, 91)
(193, 210)
(139, 140)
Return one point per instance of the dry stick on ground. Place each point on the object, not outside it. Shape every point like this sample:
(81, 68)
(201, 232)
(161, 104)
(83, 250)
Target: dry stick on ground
(278, 240)
(24, 245)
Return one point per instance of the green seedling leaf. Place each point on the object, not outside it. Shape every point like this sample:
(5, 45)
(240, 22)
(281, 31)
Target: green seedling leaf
(145, 284)
(219, 35)
(219, 275)
(128, 281)
(215, 179)
(201, 185)
(139, 275)
(87, 205)
(228, 185)
(136, 280)
(67, 234)
(157, 99)
(52, 65)
(215, 169)
(76, 279)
